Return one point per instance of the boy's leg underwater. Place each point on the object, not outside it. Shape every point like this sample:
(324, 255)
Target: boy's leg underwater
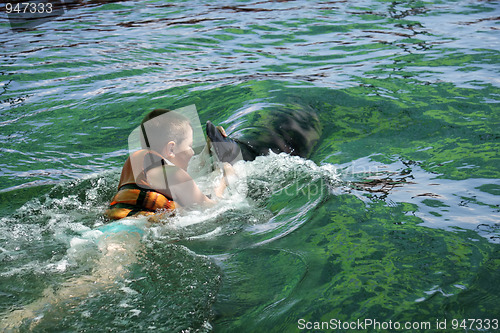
(118, 252)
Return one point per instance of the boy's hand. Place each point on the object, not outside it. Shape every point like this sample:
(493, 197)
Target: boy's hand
(228, 173)
(228, 169)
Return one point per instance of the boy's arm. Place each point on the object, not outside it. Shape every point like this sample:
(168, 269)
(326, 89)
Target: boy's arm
(177, 184)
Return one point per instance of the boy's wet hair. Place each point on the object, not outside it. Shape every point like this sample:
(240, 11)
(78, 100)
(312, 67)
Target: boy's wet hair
(161, 126)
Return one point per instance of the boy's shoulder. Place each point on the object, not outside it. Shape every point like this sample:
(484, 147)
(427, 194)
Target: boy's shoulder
(167, 175)
(141, 153)
(147, 159)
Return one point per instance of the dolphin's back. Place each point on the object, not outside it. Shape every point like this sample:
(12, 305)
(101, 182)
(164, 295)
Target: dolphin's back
(292, 129)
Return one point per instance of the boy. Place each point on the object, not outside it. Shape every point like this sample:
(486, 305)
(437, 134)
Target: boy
(155, 178)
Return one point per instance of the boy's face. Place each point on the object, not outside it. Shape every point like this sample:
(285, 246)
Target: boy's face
(183, 150)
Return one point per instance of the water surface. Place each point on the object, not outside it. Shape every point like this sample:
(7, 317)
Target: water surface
(394, 216)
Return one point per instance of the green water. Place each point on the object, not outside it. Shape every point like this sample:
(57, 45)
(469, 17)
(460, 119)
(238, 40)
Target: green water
(393, 217)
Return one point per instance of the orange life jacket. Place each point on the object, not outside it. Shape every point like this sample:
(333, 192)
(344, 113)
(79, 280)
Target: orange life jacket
(131, 201)
(135, 196)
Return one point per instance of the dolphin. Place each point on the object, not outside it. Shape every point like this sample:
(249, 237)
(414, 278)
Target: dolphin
(292, 129)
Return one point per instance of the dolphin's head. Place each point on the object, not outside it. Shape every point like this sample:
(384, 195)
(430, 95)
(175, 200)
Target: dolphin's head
(226, 149)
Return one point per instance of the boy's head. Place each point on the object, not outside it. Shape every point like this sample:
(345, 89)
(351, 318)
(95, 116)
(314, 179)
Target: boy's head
(170, 134)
